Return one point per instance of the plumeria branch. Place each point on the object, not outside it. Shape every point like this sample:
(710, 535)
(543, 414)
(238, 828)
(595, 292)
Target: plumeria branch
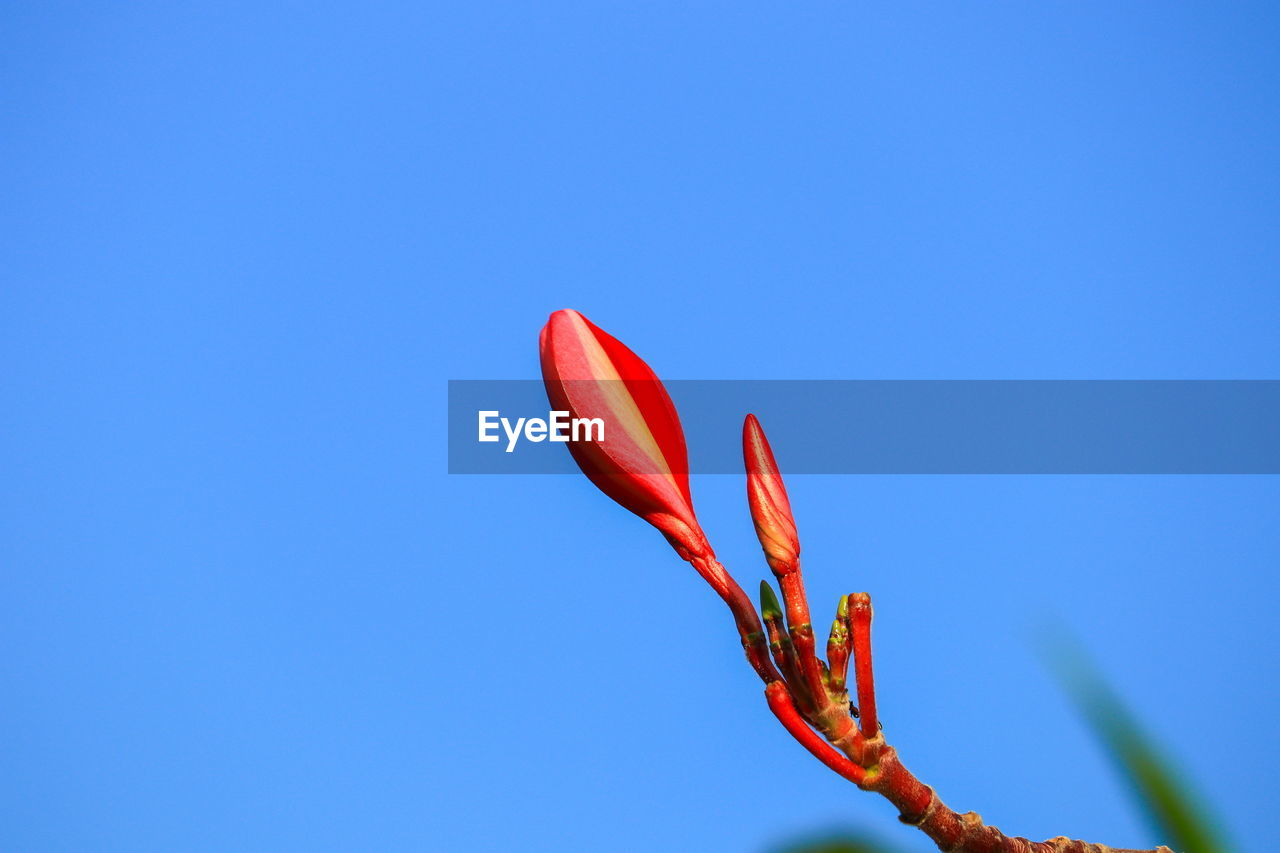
(641, 462)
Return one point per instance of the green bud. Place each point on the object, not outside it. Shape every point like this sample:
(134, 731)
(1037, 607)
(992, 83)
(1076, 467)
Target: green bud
(769, 607)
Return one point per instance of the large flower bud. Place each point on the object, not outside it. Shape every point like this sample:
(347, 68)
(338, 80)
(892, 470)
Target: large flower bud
(641, 461)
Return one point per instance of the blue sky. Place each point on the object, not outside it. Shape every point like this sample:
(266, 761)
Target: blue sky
(245, 246)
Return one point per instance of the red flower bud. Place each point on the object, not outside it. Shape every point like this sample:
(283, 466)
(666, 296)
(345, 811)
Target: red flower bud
(767, 496)
(641, 462)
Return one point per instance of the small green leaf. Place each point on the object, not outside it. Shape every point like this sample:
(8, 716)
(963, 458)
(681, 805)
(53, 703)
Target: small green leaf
(769, 607)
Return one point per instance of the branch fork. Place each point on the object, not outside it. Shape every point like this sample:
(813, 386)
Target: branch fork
(643, 465)
(811, 698)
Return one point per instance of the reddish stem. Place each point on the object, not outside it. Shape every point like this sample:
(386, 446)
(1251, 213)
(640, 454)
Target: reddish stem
(750, 630)
(784, 655)
(919, 806)
(784, 709)
(797, 607)
(860, 629)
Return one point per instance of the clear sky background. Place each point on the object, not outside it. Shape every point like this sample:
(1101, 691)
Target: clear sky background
(244, 245)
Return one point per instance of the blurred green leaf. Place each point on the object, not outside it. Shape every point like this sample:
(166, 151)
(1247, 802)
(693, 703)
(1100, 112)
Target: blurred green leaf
(850, 842)
(1177, 816)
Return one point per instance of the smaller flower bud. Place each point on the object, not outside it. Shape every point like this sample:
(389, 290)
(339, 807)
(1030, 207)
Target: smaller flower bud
(767, 497)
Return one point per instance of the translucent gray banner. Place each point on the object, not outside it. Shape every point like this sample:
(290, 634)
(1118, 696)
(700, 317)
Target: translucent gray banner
(915, 426)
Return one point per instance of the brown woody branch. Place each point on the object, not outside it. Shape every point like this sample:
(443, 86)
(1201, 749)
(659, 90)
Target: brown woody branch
(860, 754)
(811, 701)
